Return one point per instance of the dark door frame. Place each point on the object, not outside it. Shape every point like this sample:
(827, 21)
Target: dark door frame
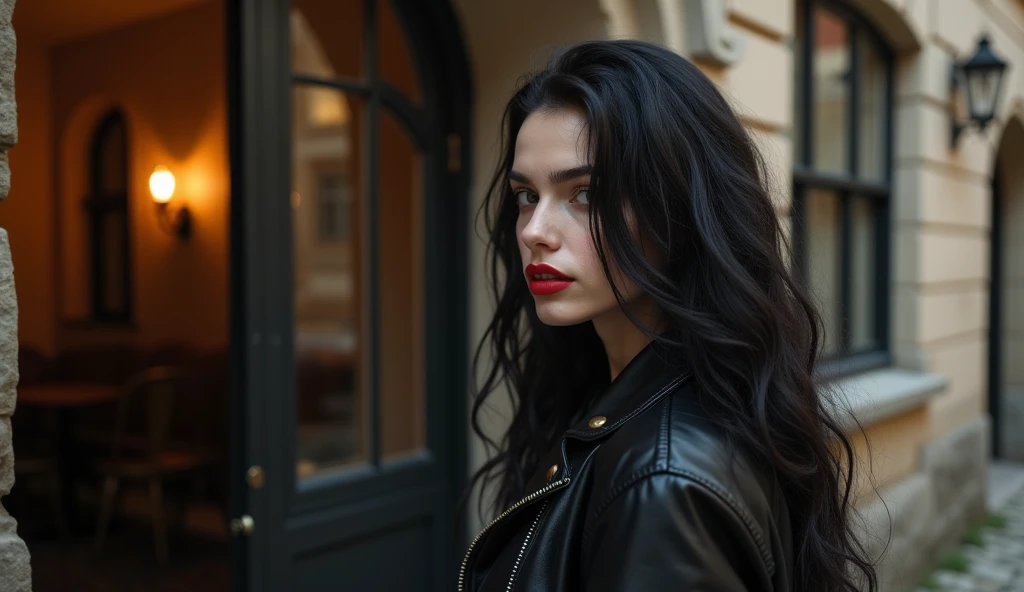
(258, 93)
(995, 314)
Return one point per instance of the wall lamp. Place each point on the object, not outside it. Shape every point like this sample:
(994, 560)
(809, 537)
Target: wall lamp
(177, 222)
(982, 74)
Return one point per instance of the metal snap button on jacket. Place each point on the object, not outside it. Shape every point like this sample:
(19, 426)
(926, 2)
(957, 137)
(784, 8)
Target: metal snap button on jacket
(598, 421)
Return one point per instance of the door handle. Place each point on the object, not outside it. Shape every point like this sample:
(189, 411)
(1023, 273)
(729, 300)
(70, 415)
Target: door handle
(242, 526)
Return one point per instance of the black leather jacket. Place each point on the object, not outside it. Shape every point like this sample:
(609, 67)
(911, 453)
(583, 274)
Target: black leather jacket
(644, 494)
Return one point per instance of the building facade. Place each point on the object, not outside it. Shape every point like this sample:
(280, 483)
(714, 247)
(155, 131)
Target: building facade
(913, 243)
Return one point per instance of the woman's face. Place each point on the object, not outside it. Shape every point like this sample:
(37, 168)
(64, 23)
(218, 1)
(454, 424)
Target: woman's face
(550, 178)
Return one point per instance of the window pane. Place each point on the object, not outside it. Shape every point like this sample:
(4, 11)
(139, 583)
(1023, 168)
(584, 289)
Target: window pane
(112, 160)
(823, 263)
(396, 65)
(864, 272)
(332, 404)
(831, 92)
(402, 405)
(114, 262)
(872, 121)
(327, 38)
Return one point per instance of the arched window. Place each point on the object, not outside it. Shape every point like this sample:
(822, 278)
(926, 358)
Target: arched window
(107, 209)
(842, 179)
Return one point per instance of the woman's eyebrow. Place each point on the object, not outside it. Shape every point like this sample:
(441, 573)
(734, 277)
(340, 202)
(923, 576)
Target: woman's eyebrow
(555, 177)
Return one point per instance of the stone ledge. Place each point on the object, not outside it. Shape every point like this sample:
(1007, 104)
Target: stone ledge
(877, 395)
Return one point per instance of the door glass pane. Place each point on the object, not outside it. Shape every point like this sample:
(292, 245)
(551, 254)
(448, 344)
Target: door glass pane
(872, 117)
(823, 263)
(831, 92)
(864, 272)
(331, 400)
(327, 38)
(396, 66)
(402, 405)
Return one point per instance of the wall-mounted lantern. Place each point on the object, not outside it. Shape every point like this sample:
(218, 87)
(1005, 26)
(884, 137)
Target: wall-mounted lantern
(982, 74)
(161, 186)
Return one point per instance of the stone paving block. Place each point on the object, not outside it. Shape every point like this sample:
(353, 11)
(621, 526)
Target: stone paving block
(998, 566)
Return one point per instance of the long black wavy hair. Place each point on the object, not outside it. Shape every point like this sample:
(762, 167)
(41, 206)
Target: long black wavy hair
(662, 134)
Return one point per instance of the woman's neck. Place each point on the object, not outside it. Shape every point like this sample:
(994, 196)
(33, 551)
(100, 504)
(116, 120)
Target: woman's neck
(622, 339)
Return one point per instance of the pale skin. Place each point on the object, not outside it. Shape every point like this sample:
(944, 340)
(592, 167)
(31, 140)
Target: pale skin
(550, 177)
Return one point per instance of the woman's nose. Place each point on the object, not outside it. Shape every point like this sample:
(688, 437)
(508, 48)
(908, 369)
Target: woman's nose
(541, 230)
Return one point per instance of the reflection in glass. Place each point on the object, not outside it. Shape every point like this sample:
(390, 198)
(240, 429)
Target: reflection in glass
(402, 404)
(871, 123)
(396, 65)
(823, 262)
(831, 92)
(331, 401)
(863, 273)
(327, 38)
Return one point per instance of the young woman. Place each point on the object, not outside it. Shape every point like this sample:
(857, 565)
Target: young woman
(668, 434)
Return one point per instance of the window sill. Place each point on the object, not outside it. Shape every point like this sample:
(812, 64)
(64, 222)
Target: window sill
(873, 397)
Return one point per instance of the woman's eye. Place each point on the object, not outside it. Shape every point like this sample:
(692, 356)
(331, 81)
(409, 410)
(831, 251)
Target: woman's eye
(525, 197)
(583, 195)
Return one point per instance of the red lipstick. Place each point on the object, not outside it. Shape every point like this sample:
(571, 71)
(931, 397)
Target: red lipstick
(545, 280)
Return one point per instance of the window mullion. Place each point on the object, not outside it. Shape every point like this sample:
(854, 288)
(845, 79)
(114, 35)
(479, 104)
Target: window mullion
(845, 269)
(808, 86)
(372, 217)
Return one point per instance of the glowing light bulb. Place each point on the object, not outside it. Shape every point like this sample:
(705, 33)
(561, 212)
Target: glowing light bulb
(161, 184)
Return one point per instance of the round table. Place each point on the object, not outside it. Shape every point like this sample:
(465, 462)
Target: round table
(67, 394)
(65, 398)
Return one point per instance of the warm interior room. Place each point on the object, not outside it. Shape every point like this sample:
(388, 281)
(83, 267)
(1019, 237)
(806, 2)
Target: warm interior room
(119, 224)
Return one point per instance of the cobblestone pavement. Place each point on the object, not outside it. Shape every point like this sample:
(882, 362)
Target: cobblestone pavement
(998, 566)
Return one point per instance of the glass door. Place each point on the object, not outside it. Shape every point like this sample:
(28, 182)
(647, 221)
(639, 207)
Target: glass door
(351, 258)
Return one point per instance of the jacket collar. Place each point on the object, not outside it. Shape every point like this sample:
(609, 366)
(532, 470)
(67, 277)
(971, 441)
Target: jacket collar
(654, 372)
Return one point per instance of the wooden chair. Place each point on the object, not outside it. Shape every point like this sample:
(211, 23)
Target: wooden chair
(154, 392)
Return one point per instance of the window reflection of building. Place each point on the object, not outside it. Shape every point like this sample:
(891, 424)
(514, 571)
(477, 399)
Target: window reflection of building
(842, 182)
(346, 326)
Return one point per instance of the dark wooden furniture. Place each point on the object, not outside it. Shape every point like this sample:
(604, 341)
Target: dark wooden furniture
(152, 455)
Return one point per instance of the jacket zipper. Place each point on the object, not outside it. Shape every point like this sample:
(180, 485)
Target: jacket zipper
(472, 546)
(522, 550)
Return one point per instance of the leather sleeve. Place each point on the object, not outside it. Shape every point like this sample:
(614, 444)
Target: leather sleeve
(667, 532)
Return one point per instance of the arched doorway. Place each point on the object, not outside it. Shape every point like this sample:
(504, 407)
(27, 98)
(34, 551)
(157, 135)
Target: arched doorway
(1006, 306)
(349, 251)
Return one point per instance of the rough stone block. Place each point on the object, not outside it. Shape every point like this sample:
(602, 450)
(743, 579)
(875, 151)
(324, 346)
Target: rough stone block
(5, 175)
(8, 329)
(15, 571)
(6, 457)
(8, 110)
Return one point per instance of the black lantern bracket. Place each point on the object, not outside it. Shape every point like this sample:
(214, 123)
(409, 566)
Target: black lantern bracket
(175, 221)
(981, 75)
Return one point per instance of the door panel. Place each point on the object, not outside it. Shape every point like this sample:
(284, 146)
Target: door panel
(351, 285)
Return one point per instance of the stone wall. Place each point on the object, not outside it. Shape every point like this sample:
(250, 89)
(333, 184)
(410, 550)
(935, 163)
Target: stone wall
(912, 521)
(15, 574)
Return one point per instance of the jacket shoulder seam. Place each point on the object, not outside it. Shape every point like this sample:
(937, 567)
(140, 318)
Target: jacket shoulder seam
(697, 479)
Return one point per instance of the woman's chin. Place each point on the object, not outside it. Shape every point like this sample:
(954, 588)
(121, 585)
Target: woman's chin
(557, 315)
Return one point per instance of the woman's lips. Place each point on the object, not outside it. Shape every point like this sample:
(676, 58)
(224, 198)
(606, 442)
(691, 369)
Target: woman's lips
(545, 280)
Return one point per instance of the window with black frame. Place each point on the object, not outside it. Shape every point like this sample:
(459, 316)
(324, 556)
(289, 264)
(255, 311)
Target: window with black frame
(842, 180)
(107, 210)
